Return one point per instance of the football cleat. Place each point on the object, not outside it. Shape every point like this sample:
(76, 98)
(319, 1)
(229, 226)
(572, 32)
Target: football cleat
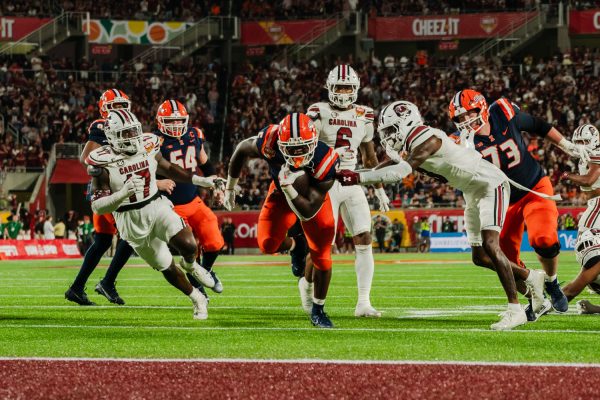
(306, 294)
(510, 319)
(366, 310)
(218, 288)
(199, 273)
(201, 308)
(78, 297)
(319, 318)
(531, 316)
(536, 289)
(110, 292)
(299, 256)
(559, 300)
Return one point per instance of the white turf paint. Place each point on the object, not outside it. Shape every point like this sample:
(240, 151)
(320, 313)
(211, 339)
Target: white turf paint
(304, 361)
(420, 296)
(297, 329)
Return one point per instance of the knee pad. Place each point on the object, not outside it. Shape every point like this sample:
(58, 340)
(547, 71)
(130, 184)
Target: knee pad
(548, 252)
(322, 264)
(269, 245)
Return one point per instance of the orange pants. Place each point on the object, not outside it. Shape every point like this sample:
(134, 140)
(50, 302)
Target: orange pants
(104, 224)
(276, 217)
(540, 216)
(204, 224)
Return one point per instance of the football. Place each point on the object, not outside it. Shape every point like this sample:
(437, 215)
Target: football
(302, 184)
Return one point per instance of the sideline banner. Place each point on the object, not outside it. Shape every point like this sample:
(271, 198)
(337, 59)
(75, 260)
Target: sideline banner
(246, 227)
(283, 32)
(106, 31)
(14, 28)
(584, 22)
(443, 27)
(38, 249)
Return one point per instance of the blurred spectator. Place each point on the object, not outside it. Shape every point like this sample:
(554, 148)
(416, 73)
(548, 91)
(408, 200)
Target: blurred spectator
(380, 229)
(13, 227)
(397, 232)
(70, 220)
(425, 244)
(448, 225)
(85, 230)
(39, 227)
(228, 232)
(60, 229)
(48, 228)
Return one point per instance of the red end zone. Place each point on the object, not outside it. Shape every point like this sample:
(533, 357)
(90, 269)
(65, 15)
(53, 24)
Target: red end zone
(92, 379)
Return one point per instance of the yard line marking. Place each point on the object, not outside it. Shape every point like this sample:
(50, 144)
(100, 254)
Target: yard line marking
(303, 329)
(305, 361)
(420, 296)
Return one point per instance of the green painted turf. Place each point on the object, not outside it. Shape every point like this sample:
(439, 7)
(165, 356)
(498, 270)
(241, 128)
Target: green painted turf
(438, 308)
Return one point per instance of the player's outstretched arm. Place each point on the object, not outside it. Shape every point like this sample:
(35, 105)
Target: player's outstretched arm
(103, 200)
(245, 149)
(585, 277)
(178, 174)
(369, 159)
(583, 180)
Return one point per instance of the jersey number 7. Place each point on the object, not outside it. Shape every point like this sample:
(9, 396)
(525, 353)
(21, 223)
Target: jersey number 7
(144, 173)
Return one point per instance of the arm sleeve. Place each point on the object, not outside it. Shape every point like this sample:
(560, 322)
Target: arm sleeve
(531, 124)
(208, 169)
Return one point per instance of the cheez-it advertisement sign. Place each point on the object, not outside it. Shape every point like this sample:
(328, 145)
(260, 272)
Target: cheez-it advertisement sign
(15, 28)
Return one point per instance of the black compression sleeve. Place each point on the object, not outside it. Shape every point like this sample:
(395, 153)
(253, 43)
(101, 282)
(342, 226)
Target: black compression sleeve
(208, 169)
(531, 124)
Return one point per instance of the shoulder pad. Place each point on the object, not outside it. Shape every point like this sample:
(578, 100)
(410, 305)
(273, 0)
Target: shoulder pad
(94, 171)
(417, 135)
(102, 156)
(505, 107)
(198, 133)
(364, 112)
(97, 124)
(595, 157)
(268, 136)
(152, 142)
(314, 111)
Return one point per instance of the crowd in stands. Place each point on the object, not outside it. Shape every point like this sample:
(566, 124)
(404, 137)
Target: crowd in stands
(193, 10)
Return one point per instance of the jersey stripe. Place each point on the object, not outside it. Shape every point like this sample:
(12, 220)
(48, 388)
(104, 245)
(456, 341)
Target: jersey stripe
(200, 133)
(414, 134)
(326, 164)
(269, 139)
(592, 217)
(507, 108)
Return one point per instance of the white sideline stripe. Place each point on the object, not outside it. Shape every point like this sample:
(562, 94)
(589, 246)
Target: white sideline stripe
(292, 329)
(291, 285)
(306, 361)
(421, 296)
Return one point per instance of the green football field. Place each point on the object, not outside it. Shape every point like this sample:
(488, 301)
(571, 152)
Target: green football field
(436, 307)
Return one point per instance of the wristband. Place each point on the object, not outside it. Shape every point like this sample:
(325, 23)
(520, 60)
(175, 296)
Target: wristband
(289, 192)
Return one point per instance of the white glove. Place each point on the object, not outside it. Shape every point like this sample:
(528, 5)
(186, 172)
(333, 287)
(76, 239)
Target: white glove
(211, 182)
(134, 184)
(384, 200)
(346, 154)
(393, 154)
(286, 181)
(574, 150)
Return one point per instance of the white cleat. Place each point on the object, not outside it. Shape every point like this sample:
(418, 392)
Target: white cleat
(199, 273)
(536, 287)
(201, 308)
(366, 310)
(510, 319)
(306, 294)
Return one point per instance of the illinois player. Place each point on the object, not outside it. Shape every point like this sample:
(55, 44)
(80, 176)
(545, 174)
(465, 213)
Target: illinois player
(348, 127)
(495, 132)
(104, 225)
(184, 146)
(589, 175)
(294, 152)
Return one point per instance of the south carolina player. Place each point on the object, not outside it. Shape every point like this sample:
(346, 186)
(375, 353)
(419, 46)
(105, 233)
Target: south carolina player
(293, 149)
(485, 188)
(496, 133)
(183, 146)
(104, 225)
(124, 184)
(346, 127)
(587, 252)
(589, 175)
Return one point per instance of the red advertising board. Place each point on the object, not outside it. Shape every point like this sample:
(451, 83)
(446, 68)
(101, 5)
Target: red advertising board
(14, 28)
(246, 227)
(584, 22)
(443, 27)
(283, 32)
(38, 249)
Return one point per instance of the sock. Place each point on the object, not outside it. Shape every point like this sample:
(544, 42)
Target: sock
(193, 280)
(188, 266)
(551, 278)
(364, 266)
(320, 302)
(293, 246)
(529, 277)
(195, 296)
(514, 307)
(208, 259)
(122, 254)
(102, 242)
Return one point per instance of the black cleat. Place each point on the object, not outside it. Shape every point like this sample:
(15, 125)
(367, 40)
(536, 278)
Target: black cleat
(78, 297)
(559, 300)
(299, 256)
(320, 319)
(110, 292)
(218, 288)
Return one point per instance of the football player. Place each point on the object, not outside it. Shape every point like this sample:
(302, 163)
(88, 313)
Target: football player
(183, 146)
(495, 132)
(485, 188)
(589, 175)
(587, 252)
(293, 150)
(348, 127)
(124, 184)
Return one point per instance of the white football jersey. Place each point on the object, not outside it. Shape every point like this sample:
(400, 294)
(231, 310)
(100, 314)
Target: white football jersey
(343, 128)
(584, 167)
(462, 167)
(121, 167)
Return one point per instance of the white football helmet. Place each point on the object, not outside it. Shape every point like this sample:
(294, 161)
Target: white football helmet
(342, 75)
(124, 132)
(588, 247)
(395, 122)
(588, 136)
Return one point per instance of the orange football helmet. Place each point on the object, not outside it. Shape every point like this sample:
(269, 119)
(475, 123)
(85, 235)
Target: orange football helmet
(464, 102)
(172, 118)
(297, 139)
(113, 99)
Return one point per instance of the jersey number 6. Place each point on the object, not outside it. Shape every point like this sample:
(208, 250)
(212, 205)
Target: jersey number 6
(344, 134)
